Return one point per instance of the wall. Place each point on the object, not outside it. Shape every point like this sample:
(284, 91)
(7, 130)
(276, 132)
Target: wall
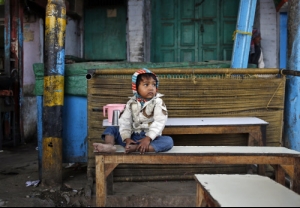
(266, 21)
(73, 44)
(136, 34)
(33, 53)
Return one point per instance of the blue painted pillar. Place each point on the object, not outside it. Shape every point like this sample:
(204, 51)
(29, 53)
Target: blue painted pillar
(243, 33)
(283, 40)
(292, 101)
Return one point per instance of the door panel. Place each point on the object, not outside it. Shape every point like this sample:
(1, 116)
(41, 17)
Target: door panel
(187, 34)
(168, 55)
(168, 35)
(187, 55)
(168, 10)
(105, 32)
(193, 30)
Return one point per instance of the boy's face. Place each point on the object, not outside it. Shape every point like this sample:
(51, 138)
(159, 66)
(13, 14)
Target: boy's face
(147, 87)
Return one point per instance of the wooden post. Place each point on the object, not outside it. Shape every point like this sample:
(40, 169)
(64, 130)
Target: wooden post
(53, 100)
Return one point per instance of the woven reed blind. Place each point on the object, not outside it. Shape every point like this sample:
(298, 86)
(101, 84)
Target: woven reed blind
(193, 95)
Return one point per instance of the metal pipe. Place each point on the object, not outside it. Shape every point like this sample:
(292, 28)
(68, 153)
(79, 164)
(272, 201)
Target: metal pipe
(243, 33)
(7, 35)
(185, 71)
(53, 100)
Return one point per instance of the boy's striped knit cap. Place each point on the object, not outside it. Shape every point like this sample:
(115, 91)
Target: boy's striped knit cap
(135, 75)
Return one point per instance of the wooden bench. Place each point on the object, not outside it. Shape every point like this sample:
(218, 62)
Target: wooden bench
(285, 161)
(222, 190)
(254, 127)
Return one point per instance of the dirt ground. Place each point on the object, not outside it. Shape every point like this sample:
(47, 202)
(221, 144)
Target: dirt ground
(19, 168)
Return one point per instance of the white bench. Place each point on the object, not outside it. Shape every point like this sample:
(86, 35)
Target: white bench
(221, 190)
(255, 127)
(284, 160)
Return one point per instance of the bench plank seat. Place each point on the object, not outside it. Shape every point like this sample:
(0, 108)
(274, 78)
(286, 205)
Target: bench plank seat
(215, 121)
(221, 150)
(220, 190)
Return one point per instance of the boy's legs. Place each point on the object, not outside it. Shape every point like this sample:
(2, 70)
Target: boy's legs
(108, 146)
(160, 144)
(110, 136)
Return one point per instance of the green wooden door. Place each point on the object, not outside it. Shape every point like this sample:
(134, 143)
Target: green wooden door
(105, 31)
(193, 30)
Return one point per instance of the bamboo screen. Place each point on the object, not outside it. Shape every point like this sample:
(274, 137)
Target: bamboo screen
(194, 95)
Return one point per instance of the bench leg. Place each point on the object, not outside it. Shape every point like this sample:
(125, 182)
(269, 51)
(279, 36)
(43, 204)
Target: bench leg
(296, 179)
(200, 201)
(261, 170)
(110, 184)
(279, 174)
(100, 182)
(204, 199)
(258, 138)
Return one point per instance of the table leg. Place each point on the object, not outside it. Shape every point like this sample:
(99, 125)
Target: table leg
(258, 138)
(296, 178)
(100, 182)
(263, 130)
(255, 139)
(200, 201)
(279, 174)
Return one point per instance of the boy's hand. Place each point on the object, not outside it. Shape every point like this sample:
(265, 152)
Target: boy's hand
(144, 144)
(128, 143)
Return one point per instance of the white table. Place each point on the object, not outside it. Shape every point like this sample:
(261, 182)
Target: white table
(221, 190)
(255, 127)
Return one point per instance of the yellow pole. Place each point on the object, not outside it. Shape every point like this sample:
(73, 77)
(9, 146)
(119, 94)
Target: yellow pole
(53, 99)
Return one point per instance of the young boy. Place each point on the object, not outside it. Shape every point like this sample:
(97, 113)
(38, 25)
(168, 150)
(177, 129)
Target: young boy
(142, 121)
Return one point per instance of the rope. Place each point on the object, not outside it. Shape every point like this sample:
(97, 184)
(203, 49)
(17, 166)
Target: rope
(274, 93)
(241, 32)
(194, 78)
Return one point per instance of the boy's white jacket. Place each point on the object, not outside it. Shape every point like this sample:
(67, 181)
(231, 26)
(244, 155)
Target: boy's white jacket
(151, 118)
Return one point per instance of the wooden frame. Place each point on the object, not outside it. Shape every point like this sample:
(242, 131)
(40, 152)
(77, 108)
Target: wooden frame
(287, 161)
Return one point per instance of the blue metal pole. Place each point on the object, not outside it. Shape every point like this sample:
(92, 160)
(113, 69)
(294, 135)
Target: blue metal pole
(243, 33)
(292, 101)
